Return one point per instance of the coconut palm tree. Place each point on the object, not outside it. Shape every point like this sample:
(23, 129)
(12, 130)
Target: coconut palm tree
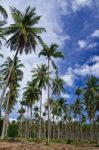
(40, 76)
(24, 35)
(50, 52)
(57, 86)
(16, 77)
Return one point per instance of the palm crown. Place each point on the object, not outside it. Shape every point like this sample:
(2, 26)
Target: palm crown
(24, 32)
(40, 75)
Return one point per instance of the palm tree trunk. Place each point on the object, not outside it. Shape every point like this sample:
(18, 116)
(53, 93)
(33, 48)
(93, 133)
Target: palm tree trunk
(31, 123)
(48, 130)
(58, 128)
(91, 136)
(21, 126)
(5, 119)
(27, 129)
(6, 132)
(53, 128)
(58, 125)
(7, 81)
(44, 130)
(40, 124)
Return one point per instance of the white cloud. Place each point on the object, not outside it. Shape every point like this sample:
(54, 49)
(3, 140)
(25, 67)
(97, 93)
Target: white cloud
(69, 77)
(84, 70)
(72, 6)
(95, 33)
(65, 95)
(85, 45)
(92, 45)
(82, 2)
(95, 59)
(82, 44)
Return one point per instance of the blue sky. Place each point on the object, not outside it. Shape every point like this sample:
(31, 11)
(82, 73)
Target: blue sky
(74, 26)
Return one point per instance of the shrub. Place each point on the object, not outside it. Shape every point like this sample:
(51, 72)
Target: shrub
(69, 141)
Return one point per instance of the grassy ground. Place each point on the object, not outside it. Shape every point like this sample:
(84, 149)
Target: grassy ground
(26, 145)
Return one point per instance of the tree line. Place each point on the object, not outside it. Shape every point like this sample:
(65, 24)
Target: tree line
(57, 119)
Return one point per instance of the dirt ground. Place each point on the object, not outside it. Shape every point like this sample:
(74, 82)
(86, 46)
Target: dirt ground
(34, 146)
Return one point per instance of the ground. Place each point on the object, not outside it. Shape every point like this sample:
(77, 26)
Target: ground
(23, 145)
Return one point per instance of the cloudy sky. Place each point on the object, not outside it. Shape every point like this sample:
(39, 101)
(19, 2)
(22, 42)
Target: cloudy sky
(74, 26)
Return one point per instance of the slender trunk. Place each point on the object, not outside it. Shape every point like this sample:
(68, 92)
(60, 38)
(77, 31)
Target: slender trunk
(44, 130)
(48, 130)
(40, 124)
(27, 129)
(81, 131)
(21, 126)
(31, 123)
(6, 131)
(62, 129)
(58, 127)
(5, 119)
(19, 129)
(58, 124)
(91, 136)
(7, 81)
(53, 128)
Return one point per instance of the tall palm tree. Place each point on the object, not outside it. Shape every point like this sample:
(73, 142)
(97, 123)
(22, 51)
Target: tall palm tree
(23, 35)
(40, 76)
(16, 77)
(50, 52)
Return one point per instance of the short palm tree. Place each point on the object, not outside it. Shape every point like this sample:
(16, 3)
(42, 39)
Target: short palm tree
(50, 53)
(40, 76)
(23, 35)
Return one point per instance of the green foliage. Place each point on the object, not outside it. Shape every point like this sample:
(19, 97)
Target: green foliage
(13, 129)
(24, 35)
